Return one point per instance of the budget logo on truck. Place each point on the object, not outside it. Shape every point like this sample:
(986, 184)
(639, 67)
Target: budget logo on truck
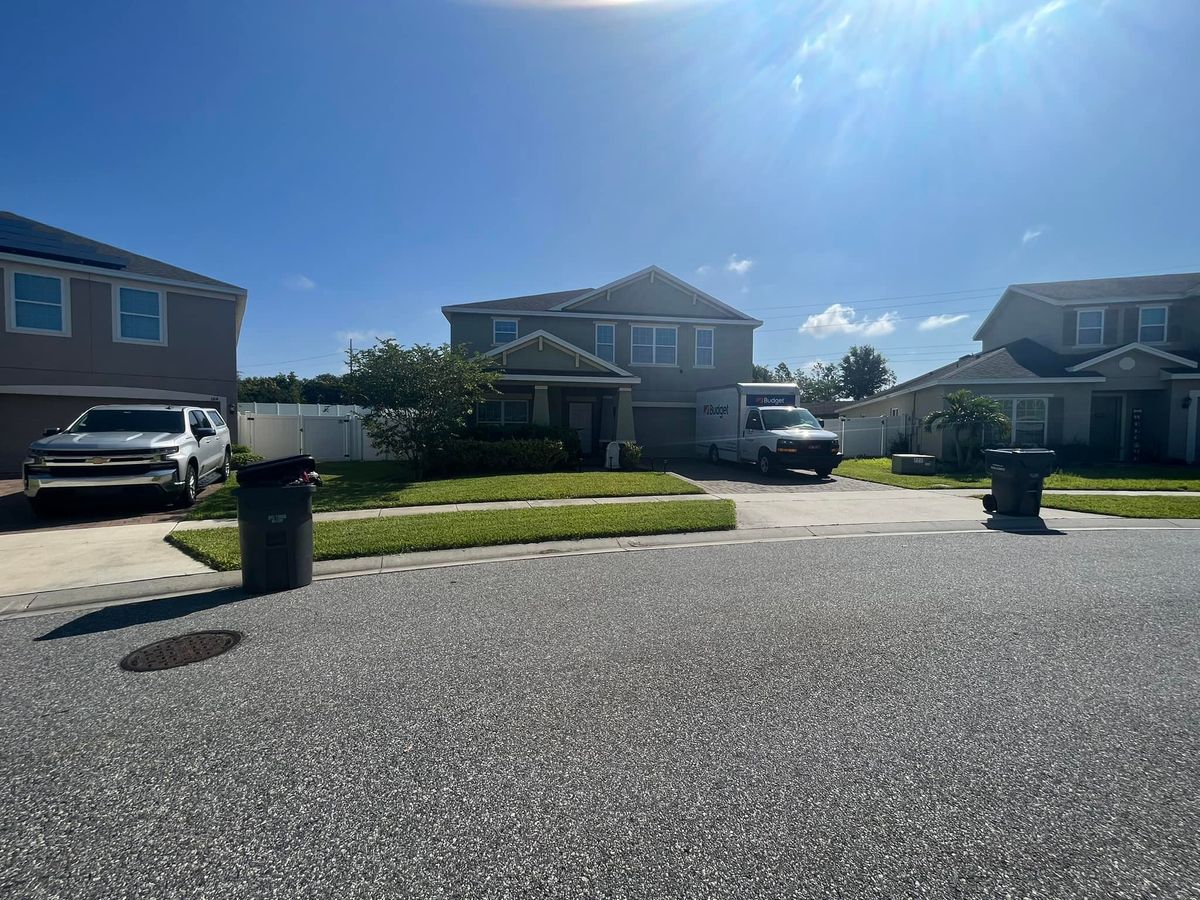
(770, 399)
(721, 411)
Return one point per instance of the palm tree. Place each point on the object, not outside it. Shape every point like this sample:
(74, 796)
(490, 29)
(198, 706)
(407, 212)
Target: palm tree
(962, 412)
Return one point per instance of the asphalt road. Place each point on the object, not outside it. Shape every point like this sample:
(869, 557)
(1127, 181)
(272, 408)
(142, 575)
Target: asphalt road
(939, 716)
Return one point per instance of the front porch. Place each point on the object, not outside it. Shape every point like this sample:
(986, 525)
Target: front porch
(599, 413)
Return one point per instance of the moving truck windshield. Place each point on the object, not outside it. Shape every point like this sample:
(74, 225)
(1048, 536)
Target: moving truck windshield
(779, 419)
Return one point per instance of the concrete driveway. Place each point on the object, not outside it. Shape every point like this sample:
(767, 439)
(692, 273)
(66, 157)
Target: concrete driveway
(983, 715)
(15, 514)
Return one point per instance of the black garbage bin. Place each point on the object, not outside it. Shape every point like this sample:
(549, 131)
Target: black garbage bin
(1017, 478)
(275, 524)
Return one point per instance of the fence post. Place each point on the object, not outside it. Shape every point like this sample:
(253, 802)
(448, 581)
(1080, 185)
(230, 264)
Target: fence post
(882, 434)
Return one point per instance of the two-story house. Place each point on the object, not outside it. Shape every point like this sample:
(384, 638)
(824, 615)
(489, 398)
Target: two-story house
(619, 362)
(88, 323)
(1113, 363)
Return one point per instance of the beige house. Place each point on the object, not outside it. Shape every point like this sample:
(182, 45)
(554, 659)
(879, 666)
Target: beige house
(88, 323)
(1112, 363)
(618, 362)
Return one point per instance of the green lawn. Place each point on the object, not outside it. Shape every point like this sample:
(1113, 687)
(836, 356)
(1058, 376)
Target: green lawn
(371, 485)
(1135, 506)
(218, 547)
(1097, 478)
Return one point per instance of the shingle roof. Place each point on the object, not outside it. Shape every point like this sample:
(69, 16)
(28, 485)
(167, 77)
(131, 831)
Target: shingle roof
(1180, 284)
(531, 303)
(1021, 360)
(26, 237)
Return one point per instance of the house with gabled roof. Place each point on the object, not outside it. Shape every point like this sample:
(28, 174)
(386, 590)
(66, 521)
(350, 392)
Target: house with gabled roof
(1111, 363)
(619, 362)
(87, 323)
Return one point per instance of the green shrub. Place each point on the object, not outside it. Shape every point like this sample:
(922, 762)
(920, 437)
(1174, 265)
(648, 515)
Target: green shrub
(244, 457)
(631, 455)
(475, 457)
(235, 449)
(492, 433)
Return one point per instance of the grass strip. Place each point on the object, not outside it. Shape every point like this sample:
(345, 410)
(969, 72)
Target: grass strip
(1097, 478)
(1134, 506)
(218, 547)
(380, 485)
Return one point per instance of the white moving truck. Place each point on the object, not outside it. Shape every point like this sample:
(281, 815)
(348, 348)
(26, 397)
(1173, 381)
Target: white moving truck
(762, 424)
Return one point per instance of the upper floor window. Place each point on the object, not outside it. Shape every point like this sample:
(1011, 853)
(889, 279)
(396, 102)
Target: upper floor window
(606, 342)
(1089, 327)
(39, 304)
(1152, 324)
(653, 346)
(705, 341)
(504, 331)
(138, 316)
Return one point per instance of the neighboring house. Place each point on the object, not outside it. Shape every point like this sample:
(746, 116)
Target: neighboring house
(87, 323)
(1112, 363)
(619, 362)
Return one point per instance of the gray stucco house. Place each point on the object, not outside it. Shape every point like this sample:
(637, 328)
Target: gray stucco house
(618, 362)
(1111, 363)
(88, 323)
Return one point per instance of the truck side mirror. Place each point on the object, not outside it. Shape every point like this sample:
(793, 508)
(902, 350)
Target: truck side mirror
(821, 422)
(51, 431)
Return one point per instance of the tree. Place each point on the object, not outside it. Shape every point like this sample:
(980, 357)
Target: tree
(325, 388)
(865, 372)
(964, 412)
(760, 374)
(782, 374)
(821, 384)
(279, 388)
(418, 396)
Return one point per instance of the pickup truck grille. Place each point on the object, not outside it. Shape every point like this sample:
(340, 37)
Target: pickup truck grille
(114, 457)
(90, 471)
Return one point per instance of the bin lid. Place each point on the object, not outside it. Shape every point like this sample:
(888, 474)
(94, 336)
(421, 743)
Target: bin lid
(275, 471)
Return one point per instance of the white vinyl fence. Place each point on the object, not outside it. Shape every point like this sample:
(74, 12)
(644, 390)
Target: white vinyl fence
(327, 433)
(872, 435)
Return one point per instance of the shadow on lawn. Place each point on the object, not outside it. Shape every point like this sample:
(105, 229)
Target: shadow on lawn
(112, 618)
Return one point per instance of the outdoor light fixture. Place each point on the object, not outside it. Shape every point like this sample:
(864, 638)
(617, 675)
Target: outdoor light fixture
(1187, 401)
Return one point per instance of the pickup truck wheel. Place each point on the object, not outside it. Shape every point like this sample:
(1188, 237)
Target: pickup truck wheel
(40, 506)
(824, 473)
(191, 486)
(226, 466)
(714, 455)
(764, 462)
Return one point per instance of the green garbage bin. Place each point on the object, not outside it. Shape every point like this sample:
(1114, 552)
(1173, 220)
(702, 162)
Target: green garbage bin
(275, 527)
(1017, 479)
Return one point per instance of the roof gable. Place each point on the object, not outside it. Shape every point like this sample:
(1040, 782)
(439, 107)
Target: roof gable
(541, 340)
(651, 275)
(1135, 347)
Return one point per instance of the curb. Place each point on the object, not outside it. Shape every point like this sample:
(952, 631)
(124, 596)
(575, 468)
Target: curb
(22, 605)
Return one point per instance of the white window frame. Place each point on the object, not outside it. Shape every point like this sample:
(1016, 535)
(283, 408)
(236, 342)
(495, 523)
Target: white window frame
(711, 349)
(613, 342)
(654, 347)
(10, 304)
(1078, 327)
(516, 328)
(1011, 400)
(119, 338)
(1166, 319)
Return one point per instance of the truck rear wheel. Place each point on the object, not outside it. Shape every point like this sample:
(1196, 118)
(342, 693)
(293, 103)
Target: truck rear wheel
(714, 455)
(823, 473)
(764, 462)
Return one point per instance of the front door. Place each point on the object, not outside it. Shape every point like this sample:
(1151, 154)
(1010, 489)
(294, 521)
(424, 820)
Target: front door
(579, 418)
(1106, 425)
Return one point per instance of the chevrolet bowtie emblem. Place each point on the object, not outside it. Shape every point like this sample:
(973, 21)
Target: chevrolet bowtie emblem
(98, 460)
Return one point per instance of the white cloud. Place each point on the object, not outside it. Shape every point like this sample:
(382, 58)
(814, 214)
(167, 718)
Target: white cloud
(941, 321)
(1033, 233)
(1027, 27)
(871, 78)
(299, 282)
(740, 266)
(798, 84)
(819, 42)
(704, 269)
(365, 338)
(839, 319)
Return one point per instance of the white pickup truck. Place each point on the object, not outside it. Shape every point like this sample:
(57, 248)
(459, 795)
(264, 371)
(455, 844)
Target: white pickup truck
(762, 424)
(163, 451)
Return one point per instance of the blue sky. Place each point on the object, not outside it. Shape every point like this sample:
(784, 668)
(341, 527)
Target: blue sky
(358, 165)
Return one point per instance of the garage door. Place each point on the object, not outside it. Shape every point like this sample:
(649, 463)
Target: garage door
(665, 431)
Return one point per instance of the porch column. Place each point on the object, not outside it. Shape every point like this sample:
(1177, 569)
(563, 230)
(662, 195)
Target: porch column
(541, 404)
(625, 414)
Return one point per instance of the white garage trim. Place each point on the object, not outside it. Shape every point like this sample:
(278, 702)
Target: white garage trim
(107, 390)
(663, 404)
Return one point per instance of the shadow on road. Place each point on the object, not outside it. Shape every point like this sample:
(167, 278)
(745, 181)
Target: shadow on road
(112, 618)
(1033, 526)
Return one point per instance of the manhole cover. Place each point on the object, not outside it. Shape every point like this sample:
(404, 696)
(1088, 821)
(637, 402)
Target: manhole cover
(179, 651)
